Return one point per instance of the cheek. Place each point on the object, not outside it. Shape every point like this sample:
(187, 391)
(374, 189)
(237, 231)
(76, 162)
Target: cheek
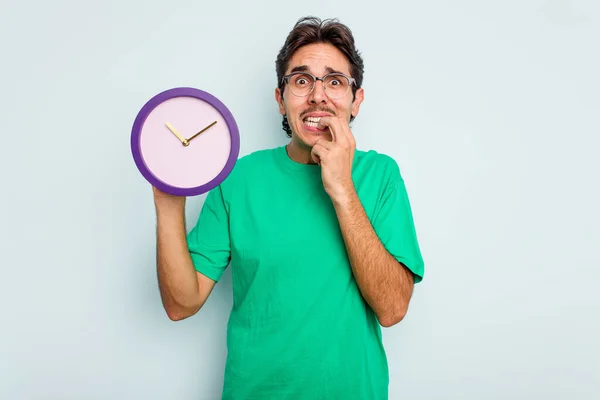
(293, 108)
(343, 109)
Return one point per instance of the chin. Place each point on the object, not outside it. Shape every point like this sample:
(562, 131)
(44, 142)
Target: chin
(311, 136)
(309, 141)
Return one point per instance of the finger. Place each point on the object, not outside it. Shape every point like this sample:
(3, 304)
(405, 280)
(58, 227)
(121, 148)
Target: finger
(328, 122)
(323, 123)
(339, 130)
(344, 133)
(317, 153)
(316, 159)
(325, 143)
(319, 150)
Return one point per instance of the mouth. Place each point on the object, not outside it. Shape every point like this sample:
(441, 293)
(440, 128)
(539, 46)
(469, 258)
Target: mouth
(311, 123)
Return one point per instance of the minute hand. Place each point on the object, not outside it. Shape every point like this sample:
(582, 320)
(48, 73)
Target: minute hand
(190, 139)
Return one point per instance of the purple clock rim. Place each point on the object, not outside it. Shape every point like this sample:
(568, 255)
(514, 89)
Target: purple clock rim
(201, 95)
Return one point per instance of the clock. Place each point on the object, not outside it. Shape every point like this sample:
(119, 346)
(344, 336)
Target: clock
(185, 141)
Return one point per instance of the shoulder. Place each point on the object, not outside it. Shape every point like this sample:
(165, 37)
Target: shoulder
(252, 160)
(258, 155)
(374, 164)
(248, 167)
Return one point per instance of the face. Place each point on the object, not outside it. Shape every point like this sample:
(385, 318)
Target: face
(319, 59)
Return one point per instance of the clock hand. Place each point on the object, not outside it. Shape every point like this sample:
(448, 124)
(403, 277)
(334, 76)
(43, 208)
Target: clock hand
(183, 141)
(190, 139)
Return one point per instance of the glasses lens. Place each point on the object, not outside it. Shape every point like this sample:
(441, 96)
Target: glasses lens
(336, 85)
(301, 84)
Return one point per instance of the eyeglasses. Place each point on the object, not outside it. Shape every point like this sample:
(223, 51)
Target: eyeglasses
(335, 85)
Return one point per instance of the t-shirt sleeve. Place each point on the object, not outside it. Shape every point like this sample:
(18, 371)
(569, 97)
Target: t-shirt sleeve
(395, 227)
(208, 241)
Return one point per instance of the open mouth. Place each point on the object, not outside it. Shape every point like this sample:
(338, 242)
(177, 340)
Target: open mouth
(311, 123)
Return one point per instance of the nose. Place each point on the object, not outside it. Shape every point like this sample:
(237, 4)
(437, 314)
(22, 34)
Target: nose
(318, 94)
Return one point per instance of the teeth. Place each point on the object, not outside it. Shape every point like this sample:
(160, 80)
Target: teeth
(313, 119)
(312, 122)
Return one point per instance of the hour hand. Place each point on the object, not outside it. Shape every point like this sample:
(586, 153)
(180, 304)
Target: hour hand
(181, 139)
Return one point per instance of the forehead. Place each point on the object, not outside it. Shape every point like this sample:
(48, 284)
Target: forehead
(319, 59)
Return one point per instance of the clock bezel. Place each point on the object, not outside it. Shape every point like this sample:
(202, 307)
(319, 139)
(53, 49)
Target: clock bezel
(202, 95)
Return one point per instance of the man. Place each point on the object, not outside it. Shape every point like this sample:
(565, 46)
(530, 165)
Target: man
(319, 235)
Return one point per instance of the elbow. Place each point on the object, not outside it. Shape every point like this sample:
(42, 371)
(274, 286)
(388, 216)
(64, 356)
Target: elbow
(392, 318)
(388, 322)
(176, 315)
(179, 313)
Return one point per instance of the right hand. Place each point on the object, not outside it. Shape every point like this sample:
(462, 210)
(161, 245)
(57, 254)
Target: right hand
(168, 201)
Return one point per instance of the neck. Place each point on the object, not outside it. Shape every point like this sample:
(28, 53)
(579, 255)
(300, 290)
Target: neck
(299, 153)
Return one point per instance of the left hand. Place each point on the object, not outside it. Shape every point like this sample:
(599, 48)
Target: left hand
(335, 158)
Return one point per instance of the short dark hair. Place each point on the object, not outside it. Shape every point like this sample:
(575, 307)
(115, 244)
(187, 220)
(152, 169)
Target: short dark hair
(309, 30)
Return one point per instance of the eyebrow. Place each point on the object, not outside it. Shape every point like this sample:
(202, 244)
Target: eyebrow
(304, 68)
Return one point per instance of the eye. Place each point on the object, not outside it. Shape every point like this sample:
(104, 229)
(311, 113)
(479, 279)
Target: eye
(335, 80)
(302, 81)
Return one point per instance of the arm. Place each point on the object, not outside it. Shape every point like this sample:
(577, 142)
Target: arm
(183, 290)
(385, 283)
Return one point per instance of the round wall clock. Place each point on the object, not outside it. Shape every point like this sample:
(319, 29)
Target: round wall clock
(185, 141)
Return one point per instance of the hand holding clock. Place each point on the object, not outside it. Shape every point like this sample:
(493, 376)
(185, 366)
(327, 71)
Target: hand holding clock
(168, 203)
(177, 172)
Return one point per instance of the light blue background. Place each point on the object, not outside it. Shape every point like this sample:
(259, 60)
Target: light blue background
(490, 108)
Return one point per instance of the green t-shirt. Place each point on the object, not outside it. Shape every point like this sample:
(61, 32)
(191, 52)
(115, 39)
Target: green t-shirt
(299, 327)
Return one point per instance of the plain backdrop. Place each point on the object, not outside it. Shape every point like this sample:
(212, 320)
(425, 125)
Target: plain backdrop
(489, 107)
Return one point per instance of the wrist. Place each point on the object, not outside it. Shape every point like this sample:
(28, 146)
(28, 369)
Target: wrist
(169, 210)
(344, 196)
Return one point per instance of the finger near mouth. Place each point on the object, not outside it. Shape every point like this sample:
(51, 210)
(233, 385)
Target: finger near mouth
(314, 126)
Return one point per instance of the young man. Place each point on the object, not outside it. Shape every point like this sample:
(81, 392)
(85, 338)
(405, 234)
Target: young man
(319, 235)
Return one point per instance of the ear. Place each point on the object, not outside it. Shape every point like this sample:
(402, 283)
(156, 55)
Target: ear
(360, 96)
(279, 98)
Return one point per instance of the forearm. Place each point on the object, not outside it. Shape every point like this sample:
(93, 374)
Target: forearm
(385, 284)
(178, 284)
